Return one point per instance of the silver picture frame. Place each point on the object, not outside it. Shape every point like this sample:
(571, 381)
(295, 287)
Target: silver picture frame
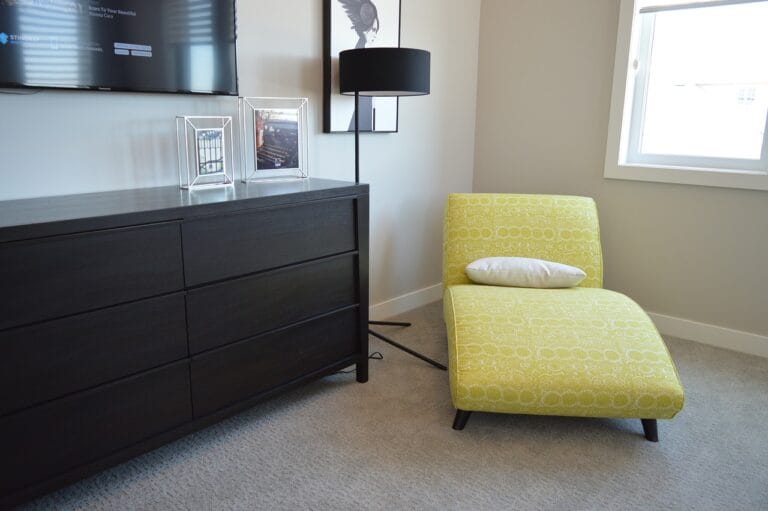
(205, 151)
(273, 138)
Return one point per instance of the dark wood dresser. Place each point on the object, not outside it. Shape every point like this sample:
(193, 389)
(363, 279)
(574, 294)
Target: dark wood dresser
(131, 318)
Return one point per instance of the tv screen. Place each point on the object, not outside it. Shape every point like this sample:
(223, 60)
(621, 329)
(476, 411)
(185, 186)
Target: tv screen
(182, 46)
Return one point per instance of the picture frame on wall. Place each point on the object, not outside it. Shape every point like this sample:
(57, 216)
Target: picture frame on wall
(273, 138)
(349, 24)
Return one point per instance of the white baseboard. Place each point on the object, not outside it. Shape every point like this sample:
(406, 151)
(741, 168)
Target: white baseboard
(735, 340)
(406, 302)
(721, 337)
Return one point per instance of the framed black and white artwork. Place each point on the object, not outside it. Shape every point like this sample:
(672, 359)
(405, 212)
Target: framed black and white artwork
(351, 24)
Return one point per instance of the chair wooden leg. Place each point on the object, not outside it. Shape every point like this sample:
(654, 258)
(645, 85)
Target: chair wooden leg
(461, 419)
(650, 429)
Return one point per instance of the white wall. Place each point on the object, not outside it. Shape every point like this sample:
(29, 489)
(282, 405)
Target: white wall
(543, 100)
(55, 143)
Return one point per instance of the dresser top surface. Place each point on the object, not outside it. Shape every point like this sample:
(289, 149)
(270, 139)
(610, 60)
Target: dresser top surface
(48, 216)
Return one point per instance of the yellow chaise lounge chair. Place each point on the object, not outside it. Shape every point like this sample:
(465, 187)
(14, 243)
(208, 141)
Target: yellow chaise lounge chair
(582, 351)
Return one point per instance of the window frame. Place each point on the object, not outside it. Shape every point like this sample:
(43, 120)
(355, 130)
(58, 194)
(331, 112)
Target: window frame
(703, 171)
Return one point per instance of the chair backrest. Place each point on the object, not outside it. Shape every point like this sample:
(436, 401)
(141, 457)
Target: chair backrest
(556, 228)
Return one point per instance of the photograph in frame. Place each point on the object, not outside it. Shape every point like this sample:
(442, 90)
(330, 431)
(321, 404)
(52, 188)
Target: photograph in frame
(210, 151)
(276, 138)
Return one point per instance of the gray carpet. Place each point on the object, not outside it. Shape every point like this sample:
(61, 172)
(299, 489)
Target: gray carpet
(388, 444)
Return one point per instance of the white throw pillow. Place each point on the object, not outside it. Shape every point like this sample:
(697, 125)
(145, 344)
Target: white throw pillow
(523, 272)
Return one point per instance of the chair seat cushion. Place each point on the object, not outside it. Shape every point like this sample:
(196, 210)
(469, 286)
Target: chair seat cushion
(585, 352)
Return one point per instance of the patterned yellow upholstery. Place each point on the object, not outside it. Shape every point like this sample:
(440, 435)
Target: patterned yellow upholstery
(583, 351)
(563, 229)
(576, 352)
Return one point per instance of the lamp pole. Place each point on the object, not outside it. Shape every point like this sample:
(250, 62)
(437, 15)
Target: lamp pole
(357, 136)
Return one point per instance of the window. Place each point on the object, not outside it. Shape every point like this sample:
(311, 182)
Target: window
(690, 94)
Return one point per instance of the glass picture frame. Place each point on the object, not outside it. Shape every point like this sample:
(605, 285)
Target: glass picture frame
(205, 151)
(273, 138)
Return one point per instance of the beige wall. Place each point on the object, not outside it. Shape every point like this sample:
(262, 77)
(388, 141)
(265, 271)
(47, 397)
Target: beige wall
(543, 99)
(56, 142)
(409, 172)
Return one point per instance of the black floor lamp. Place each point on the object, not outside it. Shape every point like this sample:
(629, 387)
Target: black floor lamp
(384, 72)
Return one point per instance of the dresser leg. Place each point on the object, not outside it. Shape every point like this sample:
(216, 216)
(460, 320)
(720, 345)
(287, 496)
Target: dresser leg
(362, 370)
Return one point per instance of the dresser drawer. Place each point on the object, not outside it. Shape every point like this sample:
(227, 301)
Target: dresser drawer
(238, 309)
(228, 246)
(245, 369)
(51, 359)
(48, 440)
(53, 277)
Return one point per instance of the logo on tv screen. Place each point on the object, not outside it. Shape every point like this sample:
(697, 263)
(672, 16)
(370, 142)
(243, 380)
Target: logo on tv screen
(3, 38)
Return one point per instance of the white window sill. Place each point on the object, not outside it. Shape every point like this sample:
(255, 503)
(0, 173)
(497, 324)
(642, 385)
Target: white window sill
(748, 179)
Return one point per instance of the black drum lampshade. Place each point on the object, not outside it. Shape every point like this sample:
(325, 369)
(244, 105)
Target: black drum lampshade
(384, 72)
(381, 72)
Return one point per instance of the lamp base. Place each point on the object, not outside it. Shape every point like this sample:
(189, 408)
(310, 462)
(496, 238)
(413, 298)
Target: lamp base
(362, 375)
(400, 346)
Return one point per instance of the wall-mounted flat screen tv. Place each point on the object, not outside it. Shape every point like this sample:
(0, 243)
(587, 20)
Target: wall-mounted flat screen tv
(180, 46)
